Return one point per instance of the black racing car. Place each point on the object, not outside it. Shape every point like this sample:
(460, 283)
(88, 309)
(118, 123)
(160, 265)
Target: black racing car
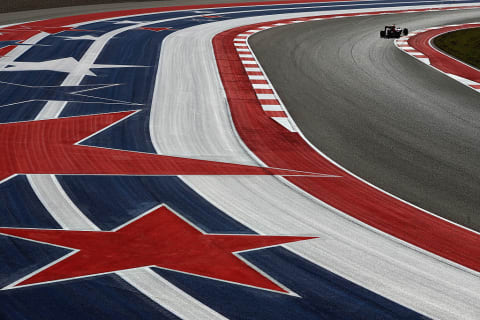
(393, 32)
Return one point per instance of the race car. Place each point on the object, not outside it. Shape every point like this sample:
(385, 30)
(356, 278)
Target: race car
(393, 32)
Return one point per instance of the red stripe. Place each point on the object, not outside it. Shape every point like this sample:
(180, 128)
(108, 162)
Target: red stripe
(269, 101)
(258, 81)
(278, 147)
(254, 73)
(264, 91)
(421, 42)
(279, 114)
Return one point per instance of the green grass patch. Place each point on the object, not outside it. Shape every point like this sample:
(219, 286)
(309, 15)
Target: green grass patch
(462, 44)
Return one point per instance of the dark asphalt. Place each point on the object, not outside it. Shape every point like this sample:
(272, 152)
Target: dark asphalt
(384, 116)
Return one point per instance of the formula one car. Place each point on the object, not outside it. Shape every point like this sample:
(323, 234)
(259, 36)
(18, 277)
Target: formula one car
(393, 32)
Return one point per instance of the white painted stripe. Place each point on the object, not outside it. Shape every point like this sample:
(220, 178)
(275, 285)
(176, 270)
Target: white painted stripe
(240, 40)
(249, 62)
(154, 286)
(462, 80)
(253, 69)
(271, 107)
(242, 45)
(58, 204)
(265, 96)
(260, 86)
(242, 50)
(256, 77)
(245, 56)
(284, 122)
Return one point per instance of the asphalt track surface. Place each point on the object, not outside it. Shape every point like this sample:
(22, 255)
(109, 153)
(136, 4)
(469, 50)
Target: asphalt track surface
(388, 118)
(407, 277)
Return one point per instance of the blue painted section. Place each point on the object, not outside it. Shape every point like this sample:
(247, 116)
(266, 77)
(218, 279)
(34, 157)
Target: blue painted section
(101, 297)
(29, 78)
(4, 44)
(131, 134)
(110, 201)
(56, 93)
(20, 207)
(324, 295)
(21, 257)
(20, 112)
(48, 50)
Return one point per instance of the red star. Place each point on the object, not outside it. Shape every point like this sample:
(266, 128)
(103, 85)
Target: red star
(49, 147)
(159, 238)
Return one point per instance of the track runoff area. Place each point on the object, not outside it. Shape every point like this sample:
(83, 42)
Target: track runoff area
(149, 169)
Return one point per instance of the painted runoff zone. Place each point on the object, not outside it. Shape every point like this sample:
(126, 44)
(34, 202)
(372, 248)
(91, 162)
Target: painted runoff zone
(107, 212)
(419, 45)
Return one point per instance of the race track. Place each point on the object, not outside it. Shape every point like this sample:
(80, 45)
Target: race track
(379, 113)
(139, 178)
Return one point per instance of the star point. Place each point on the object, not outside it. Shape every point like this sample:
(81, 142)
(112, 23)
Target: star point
(159, 238)
(56, 146)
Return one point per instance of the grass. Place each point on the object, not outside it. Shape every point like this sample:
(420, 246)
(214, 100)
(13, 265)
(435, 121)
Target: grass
(462, 44)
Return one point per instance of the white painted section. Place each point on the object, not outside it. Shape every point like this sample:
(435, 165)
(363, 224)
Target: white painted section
(58, 204)
(424, 60)
(260, 86)
(154, 286)
(284, 122)
(265, 96)
(256, 77)
(272, 107)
